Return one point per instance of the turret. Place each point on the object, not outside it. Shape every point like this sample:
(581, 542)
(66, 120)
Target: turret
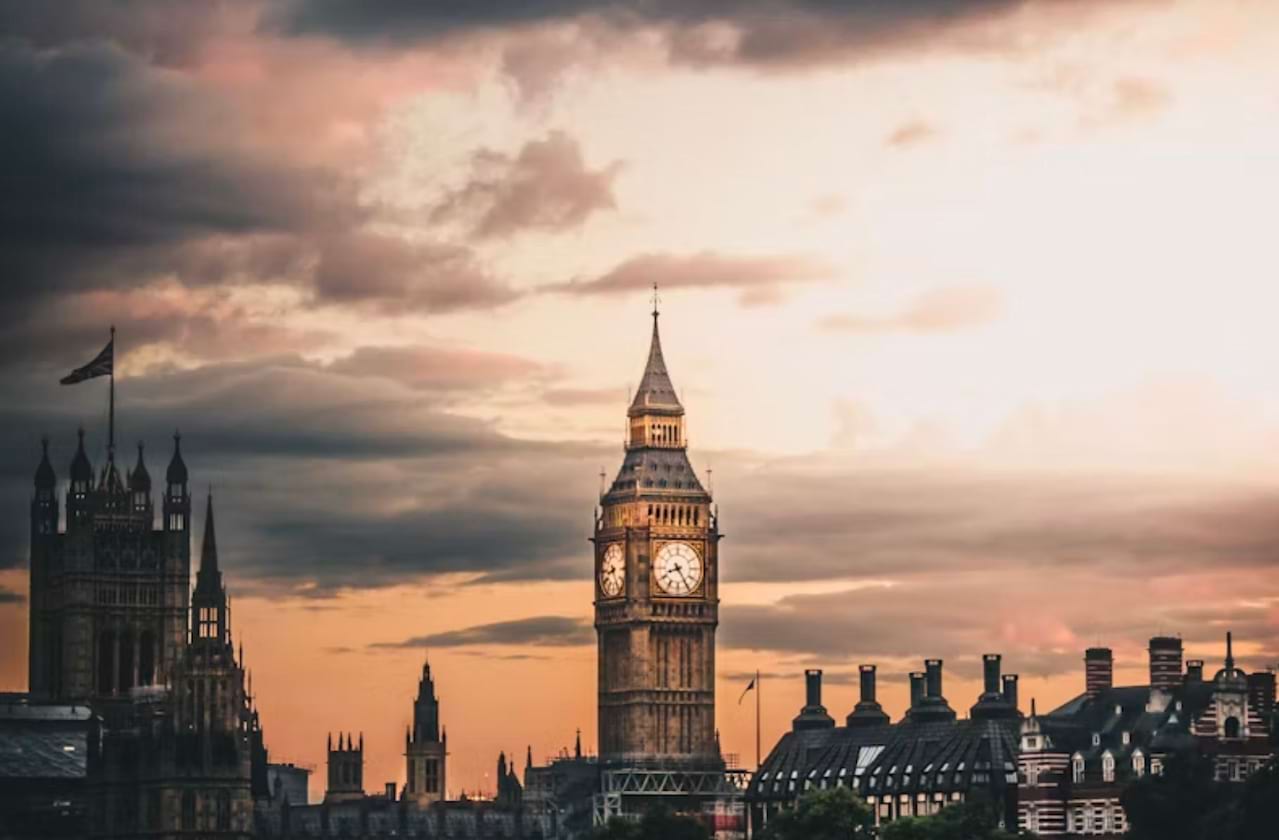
(177, 501)
(140, 485)
(44, 505)
(209, 608)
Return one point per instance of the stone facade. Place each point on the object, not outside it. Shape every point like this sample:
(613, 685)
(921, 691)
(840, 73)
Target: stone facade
(109, 593)
(1076, 760)
(656, 592)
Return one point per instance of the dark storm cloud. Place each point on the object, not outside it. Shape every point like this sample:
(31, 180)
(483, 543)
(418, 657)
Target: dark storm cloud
(163, 31)
(107, 161)
(763, 33)
(540, 631)
(327, 479)
(546, 186)
(756, 279)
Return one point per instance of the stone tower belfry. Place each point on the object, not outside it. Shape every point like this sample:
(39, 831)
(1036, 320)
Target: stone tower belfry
(425, 746)
(656, 592)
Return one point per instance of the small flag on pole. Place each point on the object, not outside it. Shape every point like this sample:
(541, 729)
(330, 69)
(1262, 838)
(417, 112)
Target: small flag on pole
(748, 690)
(102, 365)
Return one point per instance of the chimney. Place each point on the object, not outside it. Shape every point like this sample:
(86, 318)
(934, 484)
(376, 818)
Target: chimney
(990, 669)
(867, 712)
(1010, 690)
(813, 715)
(867, 674)
(932, 669)
(812, 688)
(1099, 670)
(1194, 670)
(916, 688)
(1165, 662)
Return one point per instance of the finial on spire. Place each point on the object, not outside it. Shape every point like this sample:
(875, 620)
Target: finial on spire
(656, 300)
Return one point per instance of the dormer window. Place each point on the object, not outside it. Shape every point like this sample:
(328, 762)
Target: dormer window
(1125, 737)
(1077, 768)
(1138, 764)
(1107, 767)
(1096, 739)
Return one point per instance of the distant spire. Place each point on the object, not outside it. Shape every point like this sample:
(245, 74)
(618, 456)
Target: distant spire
(655, 389)
(529, 761)
(46, 479)
(209, 550)
(577, 747)
(81, 469)
(177, 472)
(1230, 651)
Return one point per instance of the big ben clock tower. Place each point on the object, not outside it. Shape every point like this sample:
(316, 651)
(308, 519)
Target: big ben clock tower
(657, 593)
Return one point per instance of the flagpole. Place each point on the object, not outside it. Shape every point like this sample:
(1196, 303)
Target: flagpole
(111, 417)
(758, 689)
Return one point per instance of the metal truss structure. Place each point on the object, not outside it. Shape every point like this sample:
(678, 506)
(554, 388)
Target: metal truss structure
(631, 783)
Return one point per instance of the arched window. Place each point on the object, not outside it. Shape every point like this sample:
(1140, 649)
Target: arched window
(1138, 764)
(1232, 727)
(1107, 767)
(1077, 768)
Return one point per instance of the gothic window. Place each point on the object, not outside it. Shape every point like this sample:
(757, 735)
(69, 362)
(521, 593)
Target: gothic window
(188, 810)
(431, 774)
(1077, 769)
(1108, 767)
(1138, 764)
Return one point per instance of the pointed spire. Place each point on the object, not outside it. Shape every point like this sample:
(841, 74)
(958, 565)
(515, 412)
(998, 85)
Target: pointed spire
(81, 469)
(46, 479)
(655, 390)
(1230, 651)
(577, 746)
(529, 761)
(140, 479)
(209, 549)
(177, 472)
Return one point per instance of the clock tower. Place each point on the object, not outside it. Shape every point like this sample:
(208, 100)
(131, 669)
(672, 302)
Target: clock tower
(657, 592)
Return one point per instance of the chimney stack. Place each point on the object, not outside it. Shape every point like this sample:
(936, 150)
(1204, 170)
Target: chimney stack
(813, 715)
(916, 688)
(1099, 670)
(1010, 690)
(867, 712)
(1194, 670)
(1165, 662)
(932, 669)
(990, 669)
(867, 676)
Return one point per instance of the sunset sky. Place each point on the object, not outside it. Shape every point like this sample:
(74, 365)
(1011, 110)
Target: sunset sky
(973, 306)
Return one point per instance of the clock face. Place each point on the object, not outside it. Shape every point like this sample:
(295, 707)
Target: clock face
(613, 571)
(678, 569)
